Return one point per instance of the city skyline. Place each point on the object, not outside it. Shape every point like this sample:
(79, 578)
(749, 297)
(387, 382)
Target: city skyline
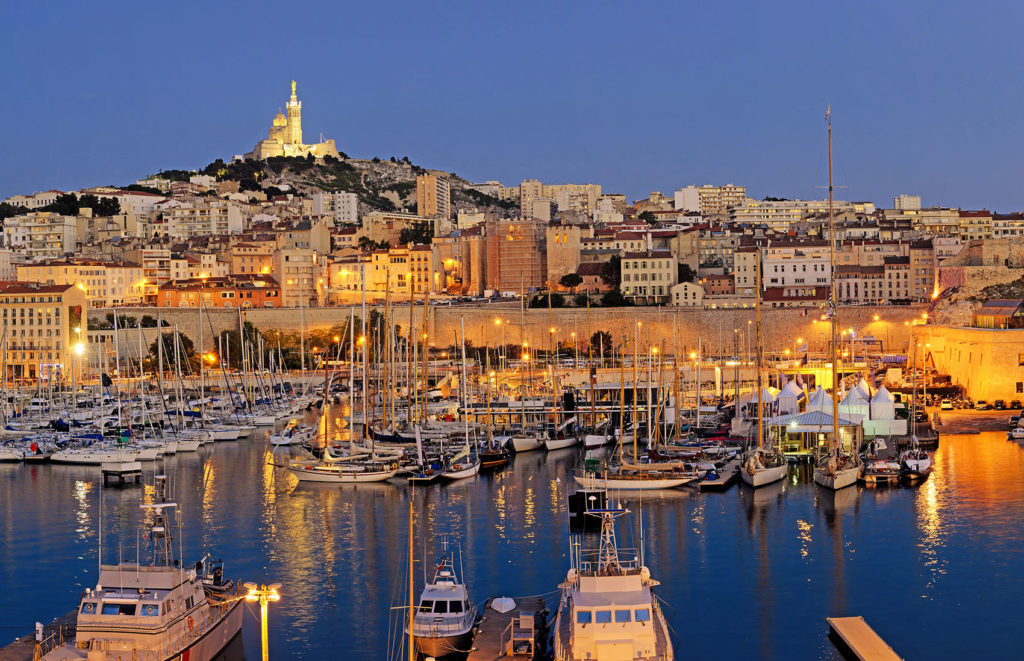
(635, 99)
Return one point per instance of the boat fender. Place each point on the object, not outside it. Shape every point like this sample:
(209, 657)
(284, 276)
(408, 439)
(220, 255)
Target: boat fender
(190, 623)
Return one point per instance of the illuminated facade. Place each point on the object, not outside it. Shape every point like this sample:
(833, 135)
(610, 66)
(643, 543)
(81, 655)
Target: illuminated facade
(43, 325)
(285, 136)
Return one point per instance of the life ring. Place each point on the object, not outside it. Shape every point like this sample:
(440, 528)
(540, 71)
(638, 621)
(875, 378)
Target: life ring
(190, 623)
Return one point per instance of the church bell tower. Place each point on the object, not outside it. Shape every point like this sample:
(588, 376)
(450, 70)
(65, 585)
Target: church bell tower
(294, 119)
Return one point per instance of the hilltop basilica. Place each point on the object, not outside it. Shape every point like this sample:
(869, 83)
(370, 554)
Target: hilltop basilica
(285, 137)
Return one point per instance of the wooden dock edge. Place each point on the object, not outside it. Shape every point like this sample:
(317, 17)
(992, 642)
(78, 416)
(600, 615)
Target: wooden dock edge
(856, 639)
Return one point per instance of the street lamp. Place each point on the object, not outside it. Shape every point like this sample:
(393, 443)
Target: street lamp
(263, 594)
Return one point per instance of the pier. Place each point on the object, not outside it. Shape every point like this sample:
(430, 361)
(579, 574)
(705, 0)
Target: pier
(853, 635)
(520, 633)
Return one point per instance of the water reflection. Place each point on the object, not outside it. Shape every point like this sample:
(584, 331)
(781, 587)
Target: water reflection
(747, 572)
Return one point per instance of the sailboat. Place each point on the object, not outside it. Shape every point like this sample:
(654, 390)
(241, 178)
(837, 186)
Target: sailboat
(761, 466)
(834, 469)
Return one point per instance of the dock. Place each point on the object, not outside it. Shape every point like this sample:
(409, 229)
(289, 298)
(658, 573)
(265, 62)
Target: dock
(520, 633)
(121, 473)
(853, 635)
(54, 633)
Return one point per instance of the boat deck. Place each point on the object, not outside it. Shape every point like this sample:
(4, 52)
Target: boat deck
(490, 642)
(854, 634)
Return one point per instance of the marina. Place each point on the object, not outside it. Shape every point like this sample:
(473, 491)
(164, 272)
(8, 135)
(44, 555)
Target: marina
(746, 556)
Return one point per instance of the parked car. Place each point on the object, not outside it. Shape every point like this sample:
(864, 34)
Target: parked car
(946, 405)
(982, 405)
(999, 405)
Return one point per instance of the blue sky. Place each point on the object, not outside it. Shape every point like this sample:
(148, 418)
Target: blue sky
(636, 96)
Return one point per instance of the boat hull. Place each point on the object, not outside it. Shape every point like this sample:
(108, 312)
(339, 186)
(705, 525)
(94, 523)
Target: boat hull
(635, 484)
(764, 476)
(841, 479)
(444, 645)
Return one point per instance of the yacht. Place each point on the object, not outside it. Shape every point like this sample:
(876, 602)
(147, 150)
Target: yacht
(160, 611)
(607, 610)
(443, 623)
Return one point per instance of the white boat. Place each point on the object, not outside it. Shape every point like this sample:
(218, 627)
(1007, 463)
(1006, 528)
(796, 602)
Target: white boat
(763, 468)
(443, 623)
(916, 464)
(11, 455)
(524, 443)
(607, 611)
(159, 611)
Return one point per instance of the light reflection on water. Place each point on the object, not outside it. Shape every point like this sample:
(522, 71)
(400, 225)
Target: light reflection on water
(742, 572)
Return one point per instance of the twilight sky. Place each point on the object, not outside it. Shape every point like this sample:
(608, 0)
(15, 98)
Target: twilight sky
(636, 96)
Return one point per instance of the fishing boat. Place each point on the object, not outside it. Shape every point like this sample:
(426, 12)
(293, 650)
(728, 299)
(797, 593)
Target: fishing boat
(607, 609)
(160, 611)
(443, 623)
(835, 468)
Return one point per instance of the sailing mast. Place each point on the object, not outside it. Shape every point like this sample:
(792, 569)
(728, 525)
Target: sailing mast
(834, 309)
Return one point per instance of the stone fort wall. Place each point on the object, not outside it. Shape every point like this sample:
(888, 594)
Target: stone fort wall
(780, 328)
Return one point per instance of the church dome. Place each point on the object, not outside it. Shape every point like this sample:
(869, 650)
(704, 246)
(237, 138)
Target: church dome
(280, 119)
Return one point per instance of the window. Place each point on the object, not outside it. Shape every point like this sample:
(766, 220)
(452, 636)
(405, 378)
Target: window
(118, 609)
(622, 616)
(583, 617)
(642, 614)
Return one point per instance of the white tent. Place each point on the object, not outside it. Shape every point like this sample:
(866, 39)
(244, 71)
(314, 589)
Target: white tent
(819, 400)
(854, 406)
(883, 405)
(789, 398)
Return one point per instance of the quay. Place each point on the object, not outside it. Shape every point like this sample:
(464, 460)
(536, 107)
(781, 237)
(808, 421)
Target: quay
(855, 636)
(54, 633)
(519, 633)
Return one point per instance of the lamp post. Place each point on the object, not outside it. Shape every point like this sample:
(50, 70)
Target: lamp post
(264, 594)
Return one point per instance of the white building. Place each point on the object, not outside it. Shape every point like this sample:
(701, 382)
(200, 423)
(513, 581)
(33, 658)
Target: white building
(41, 234)
(343, 207)
(201, 218)
(907, 202)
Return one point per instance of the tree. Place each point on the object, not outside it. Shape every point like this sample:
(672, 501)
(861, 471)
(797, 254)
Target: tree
(422, 233)
(186, 350)
(615, 299)
(686, 274)
(571, 280)
(648, 217)
(601, 339)
(611, 272)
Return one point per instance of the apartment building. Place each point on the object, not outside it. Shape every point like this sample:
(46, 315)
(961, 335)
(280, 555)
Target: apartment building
(343, 207)
(648, 276)
(43, 326)
(41, 235)
(709, 199)
(104, 284)
(233, 291)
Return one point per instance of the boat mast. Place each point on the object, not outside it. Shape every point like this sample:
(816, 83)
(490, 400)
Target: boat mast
(834, 308)
(757, 303)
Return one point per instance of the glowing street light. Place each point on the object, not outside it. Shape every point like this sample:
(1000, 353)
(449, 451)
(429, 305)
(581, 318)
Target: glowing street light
(264, 594)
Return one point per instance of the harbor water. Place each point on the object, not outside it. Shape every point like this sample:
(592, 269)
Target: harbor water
(742, 572)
